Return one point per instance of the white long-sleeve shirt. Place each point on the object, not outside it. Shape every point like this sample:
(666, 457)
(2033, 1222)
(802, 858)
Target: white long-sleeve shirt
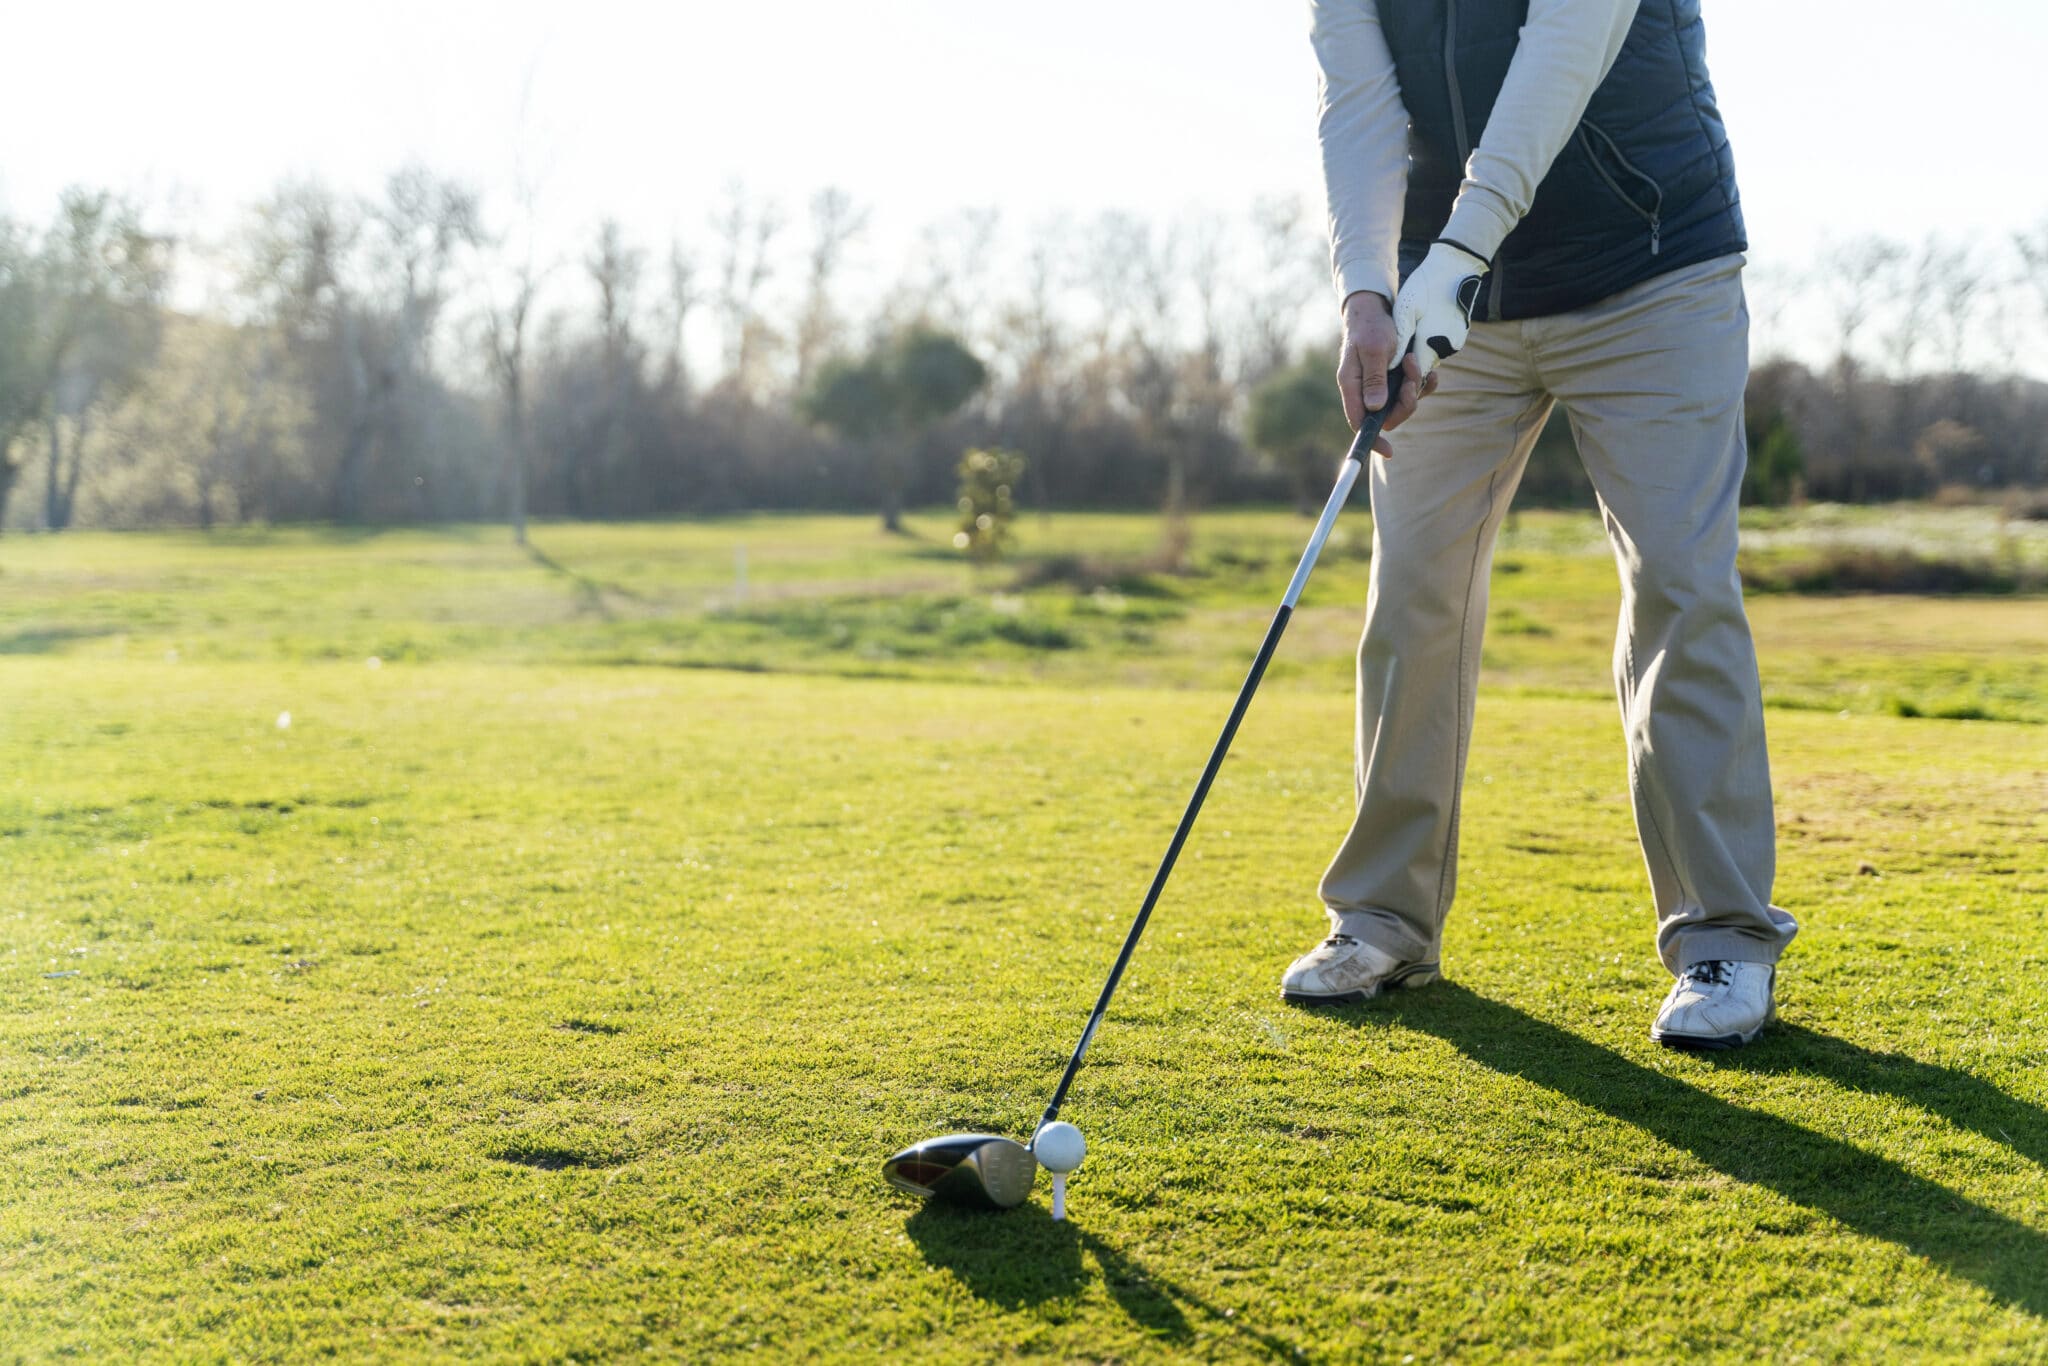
(1566, 49)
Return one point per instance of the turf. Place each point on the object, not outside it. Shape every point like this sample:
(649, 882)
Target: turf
(512, 1004)
(829, 595)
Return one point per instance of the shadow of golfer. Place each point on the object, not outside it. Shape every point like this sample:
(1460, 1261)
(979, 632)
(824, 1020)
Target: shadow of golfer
(1023, 1258)
(1865, 1192)
(1966, 1101)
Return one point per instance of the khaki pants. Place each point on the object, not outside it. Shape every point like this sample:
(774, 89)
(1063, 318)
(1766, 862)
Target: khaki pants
(1652, 381)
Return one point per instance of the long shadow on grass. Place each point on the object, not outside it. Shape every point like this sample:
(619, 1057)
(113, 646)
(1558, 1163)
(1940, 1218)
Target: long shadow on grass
(1867, 1193)
(1965, 1101)
(1023, 1258)
(43, 640)
(590, 592)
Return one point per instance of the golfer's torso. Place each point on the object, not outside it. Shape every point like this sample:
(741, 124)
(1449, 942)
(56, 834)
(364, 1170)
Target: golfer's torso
(1645, 184)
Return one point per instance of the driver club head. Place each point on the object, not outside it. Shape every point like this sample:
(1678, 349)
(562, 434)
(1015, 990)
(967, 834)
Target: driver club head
(982, 1171)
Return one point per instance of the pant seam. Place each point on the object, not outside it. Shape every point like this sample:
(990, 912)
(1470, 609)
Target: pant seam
(1636, 782)
(1464, 731)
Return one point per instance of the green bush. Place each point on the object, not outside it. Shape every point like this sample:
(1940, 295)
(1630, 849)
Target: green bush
(1776, 461)
(987, 482)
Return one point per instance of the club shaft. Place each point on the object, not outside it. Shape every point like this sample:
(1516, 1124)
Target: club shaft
(1347, 475)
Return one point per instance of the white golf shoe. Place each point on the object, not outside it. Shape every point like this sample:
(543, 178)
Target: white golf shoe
(1716, 1004)
(1341, 970)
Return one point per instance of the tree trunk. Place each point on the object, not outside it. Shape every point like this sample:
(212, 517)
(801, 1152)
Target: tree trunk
(8, 472)
(889, 459)
(515, 458)
(345, 496)
(52, 490)
(366, 407)
(78, 439)
(205, 478)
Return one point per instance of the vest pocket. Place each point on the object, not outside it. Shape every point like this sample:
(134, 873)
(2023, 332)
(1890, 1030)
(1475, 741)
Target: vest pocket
(1647, 199)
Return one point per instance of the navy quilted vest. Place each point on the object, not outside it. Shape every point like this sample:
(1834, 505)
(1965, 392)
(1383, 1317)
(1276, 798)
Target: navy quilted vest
(1645, 185)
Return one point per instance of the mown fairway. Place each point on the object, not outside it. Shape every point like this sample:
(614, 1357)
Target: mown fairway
(531, 996)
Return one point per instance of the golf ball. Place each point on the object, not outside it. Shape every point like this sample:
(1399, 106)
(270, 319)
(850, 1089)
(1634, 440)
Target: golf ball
(1059, 1147)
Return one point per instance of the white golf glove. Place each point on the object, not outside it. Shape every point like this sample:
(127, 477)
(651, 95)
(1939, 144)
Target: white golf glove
(1434, 304)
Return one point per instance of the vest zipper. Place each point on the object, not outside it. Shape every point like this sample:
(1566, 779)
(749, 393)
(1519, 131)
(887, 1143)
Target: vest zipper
(1655, 214)
(1464, 137)
(1451, 79)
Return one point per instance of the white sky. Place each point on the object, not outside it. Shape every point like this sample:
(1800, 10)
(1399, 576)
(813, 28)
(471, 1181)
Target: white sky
(1848, 116)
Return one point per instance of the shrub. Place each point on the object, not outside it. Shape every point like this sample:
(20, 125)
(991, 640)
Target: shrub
(1860, 569)
(987, 479)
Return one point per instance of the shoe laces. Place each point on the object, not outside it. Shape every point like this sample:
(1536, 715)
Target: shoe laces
(1339, 941)
(1713, 973)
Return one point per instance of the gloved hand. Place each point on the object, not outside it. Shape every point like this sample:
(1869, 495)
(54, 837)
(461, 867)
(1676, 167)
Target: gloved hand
(1434, 307)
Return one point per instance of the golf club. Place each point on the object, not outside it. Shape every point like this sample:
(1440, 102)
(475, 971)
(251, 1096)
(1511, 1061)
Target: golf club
(992, 1172)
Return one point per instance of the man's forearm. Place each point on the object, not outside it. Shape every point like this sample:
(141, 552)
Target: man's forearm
(1566, 49)
(1363, 128)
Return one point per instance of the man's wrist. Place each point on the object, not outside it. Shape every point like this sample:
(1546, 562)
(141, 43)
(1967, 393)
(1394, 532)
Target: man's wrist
(1368, 274)
(1482, 262)
(1479, 222)
(1366, 299)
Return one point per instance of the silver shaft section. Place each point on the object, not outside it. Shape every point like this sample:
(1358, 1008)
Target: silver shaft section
(1346, 477)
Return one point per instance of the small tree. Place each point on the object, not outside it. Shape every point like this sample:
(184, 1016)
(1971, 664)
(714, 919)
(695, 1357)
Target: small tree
(1776, 462)
(933, 376)
(1296, 422)
(987, 481)
(855, 399)
(884, 403)
(24, 388)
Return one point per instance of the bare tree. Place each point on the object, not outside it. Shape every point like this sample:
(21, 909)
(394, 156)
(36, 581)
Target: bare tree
(1913, 301)
(1206, 395)
(1956, 286)
(1287, 275)
(361, 290)
(416, 239)
(1035, 347)
(2033, 252)
(241, 376)
(1133, 271)
(951, 280)
(297, 278)
(746, 237)
(836, 223)
(682, 296)
(615, 269)
(106, 277)
(510, 299)
(1859, 273)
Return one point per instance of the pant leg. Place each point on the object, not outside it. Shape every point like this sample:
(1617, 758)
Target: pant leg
(1436, 505)
(1653, 381)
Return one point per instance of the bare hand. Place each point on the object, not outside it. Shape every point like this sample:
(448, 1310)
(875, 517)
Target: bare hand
(1362, 369)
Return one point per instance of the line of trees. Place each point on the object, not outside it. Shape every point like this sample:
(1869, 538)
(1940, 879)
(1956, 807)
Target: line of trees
(422, 354)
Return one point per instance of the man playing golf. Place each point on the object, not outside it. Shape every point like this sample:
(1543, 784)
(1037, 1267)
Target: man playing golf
(1568, 157)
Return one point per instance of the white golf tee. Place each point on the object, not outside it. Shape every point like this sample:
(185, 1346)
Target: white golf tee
(1059, 1196)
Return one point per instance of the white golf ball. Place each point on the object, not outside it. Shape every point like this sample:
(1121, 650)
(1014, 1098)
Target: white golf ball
(1059, 1147)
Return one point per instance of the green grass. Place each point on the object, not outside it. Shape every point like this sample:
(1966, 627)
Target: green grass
(519, 1000)
(831, 595)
